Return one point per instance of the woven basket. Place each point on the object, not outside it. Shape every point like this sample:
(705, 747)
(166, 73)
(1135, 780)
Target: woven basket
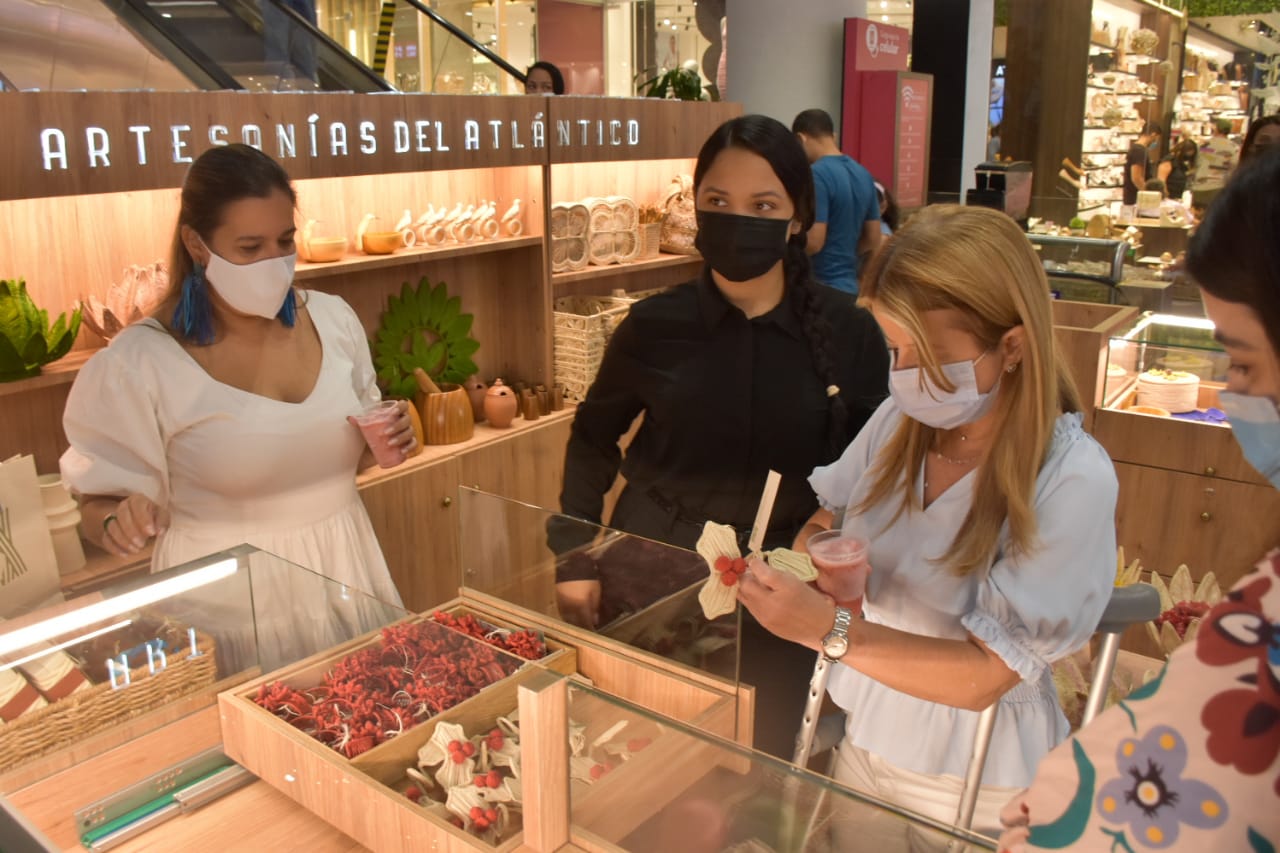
(99, 708)
(583, 326)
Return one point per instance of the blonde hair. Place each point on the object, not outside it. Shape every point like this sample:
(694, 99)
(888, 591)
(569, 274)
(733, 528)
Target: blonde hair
(976, 261)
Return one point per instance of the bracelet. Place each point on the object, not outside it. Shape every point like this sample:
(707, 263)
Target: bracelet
(111, 516)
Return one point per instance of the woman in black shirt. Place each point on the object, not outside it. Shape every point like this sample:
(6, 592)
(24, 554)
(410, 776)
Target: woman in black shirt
(752, 367)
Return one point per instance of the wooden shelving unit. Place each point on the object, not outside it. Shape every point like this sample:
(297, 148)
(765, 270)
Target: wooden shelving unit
(123, 216)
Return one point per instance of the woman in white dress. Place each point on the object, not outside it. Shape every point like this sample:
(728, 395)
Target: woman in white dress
(989, 514)
(222, 419)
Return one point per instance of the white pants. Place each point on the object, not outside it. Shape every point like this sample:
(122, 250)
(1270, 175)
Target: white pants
(935, 797)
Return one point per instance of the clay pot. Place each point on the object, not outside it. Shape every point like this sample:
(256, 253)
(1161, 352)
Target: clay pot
(544, 399)
(476, 391)
(447, 416)
(500, 405)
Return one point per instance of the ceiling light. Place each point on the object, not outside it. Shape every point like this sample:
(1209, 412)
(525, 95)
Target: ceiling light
(666, 22)
(884, 4)
(884, 18)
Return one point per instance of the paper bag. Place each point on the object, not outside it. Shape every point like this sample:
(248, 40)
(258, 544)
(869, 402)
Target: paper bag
(28, 567)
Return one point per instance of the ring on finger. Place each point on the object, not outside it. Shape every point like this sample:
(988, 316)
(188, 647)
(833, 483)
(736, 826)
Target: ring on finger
(106, 522)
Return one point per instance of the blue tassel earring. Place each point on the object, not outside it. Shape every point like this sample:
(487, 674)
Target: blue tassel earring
(289, 310)
(193, 315)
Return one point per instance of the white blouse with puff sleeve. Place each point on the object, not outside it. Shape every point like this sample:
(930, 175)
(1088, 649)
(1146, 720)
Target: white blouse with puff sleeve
(234, 467)
(1029, 609)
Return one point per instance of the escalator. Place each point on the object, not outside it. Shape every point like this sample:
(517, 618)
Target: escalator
(172, 45)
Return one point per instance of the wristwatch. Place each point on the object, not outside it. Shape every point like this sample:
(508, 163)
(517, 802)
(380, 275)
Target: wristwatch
(836, 643)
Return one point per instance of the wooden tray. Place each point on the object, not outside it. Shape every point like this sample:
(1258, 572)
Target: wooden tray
(364, 798)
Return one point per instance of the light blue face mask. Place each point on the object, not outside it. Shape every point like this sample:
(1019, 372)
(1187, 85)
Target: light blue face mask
(1256, 424)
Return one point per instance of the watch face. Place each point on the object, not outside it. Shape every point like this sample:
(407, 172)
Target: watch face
(834, 646)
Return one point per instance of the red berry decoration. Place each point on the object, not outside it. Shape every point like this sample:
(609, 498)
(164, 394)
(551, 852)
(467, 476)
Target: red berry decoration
(468, 749)
(476, 813)
(414, 793)
(598, 770)
(494, 778)
(723, 564)
(729, 579)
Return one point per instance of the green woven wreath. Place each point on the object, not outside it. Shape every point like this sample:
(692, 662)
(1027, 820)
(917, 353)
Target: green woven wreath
(423, 327)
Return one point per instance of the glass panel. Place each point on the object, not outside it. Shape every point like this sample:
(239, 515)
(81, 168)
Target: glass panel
(648, 591)
(265, 45)
(1184, 368)
(79, 44)
(424, 56)
(651, 785)
(81, 667)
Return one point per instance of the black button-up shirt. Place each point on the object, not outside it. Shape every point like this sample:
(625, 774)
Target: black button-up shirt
(725, 399)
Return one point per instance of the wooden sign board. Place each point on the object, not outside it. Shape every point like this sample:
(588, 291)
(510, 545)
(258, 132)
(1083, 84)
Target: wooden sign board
(86, 143)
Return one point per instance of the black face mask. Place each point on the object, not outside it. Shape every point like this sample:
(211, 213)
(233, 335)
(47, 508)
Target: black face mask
(741, 248)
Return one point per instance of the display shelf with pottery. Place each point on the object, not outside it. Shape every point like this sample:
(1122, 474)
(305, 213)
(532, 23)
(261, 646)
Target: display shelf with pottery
(408, 257)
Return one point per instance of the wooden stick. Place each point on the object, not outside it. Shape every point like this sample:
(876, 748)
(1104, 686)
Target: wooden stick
(761, 525)
(424, 382)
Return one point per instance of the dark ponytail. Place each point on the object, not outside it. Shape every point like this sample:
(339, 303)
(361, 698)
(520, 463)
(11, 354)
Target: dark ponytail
(771, 140)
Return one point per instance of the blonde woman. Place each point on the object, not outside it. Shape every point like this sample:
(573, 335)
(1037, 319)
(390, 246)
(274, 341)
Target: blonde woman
(989, 516)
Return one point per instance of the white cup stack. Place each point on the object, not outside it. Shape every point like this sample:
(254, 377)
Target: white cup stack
(62, 514)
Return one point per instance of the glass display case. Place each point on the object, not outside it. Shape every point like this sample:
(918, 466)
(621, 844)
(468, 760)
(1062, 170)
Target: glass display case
(1082, 269)
(648, 593)
(1167, 366)
(440, 730)
(647, 784)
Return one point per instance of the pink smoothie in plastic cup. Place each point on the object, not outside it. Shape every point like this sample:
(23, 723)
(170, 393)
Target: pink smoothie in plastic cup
(842, 561)
(373, 423)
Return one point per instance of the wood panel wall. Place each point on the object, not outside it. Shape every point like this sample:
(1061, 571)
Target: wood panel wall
(1048, 55)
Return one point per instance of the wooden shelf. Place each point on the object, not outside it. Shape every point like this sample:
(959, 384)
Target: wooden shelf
(407, 257)
(103, 569)
(61, 372)
(636, 266)
(431, 454)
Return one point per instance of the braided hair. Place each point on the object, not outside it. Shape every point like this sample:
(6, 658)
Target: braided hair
(779, 147)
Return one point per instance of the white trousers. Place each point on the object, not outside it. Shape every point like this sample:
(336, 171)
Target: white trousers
(935, 797)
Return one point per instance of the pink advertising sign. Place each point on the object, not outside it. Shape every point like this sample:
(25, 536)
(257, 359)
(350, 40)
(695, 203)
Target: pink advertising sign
(876, 46)
(913, 140)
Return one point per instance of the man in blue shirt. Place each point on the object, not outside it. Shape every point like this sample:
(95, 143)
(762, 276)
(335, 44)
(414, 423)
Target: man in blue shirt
(847, 225)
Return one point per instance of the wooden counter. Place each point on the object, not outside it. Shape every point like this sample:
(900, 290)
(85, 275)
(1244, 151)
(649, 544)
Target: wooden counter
(256, 817)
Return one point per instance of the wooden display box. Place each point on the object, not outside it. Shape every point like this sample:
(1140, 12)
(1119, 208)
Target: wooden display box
(1083, 331)
(1173, 443)
(363, 796)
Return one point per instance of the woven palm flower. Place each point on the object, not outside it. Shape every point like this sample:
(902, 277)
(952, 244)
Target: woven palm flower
(1127, 575)
(1182, 604)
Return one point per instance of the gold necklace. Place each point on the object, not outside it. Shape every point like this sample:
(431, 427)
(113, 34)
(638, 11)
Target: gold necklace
(968, 460)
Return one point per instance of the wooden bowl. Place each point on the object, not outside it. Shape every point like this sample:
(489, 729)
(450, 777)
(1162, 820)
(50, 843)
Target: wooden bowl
(382, 242)
(326, 250)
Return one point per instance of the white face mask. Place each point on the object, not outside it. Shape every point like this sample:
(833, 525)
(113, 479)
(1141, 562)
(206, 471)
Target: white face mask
(258, 288)
(922, 400)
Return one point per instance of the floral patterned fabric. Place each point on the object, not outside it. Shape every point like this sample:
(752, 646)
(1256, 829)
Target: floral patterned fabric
(1188, 762)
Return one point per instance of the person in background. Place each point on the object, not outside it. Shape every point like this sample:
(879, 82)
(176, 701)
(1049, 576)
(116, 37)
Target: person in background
(752, 367)
(222, 418)
(543, 78)
(1138, 161)
(993, 143)
(1214, 163)
(889, 213)
(989, 517)
(1191, 761)
(1176, 169)
(1263, 133)
(846, 226)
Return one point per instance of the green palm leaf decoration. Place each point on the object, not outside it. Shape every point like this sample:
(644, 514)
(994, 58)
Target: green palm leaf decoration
(27, 341)
(423, 327)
